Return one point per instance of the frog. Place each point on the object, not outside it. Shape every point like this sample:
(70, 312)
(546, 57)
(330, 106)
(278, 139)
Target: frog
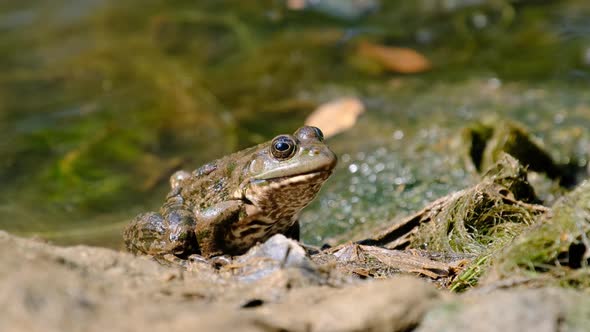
(227, 206)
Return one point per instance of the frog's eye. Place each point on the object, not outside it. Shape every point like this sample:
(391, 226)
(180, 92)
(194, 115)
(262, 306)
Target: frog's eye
(319, 133)
(282, 147)
(309, 133)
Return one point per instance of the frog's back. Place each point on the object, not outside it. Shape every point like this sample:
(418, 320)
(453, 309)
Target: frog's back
(218, 180)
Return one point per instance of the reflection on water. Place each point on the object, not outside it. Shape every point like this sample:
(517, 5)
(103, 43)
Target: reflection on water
(101, 100)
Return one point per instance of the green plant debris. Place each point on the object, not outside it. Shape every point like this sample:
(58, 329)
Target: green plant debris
(555, 248)
(483, 217)
(470, 277)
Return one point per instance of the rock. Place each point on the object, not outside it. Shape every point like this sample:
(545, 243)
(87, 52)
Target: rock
(539, 310)
(276, 254)
(279, 251)
(386, 305)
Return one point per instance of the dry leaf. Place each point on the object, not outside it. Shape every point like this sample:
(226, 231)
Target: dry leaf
(336, 116)
(396, 59)
(296, 4)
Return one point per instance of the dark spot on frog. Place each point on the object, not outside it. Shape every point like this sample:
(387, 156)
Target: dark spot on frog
(218, 186)
(220, 189)
(258, 223)
(249, 231)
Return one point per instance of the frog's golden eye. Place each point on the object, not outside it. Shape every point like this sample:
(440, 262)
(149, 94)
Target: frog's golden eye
(282, 147)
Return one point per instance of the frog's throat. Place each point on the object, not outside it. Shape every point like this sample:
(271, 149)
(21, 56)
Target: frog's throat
(294, 191)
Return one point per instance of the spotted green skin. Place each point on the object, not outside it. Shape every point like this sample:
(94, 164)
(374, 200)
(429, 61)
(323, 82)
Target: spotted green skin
(227, 206)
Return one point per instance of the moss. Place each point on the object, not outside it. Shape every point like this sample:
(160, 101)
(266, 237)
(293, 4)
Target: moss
(470, 277)
(481, 220)
(556, 248)
(484, 215)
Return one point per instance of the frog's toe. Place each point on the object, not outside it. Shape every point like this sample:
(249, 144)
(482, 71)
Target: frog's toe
(181, 239)
(171, 260)
(195, 258)
(220, 261)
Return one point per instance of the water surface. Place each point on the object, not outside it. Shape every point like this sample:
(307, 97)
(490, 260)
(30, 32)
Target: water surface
(100, 101)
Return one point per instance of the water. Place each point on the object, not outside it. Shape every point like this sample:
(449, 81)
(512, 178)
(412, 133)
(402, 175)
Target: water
(100, 101)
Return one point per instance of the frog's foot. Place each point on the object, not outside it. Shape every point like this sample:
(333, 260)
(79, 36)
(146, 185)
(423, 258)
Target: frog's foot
(220, 261)
(175, 261)
(145, 233)
(171, 261)
(154, 234)
(180, 238)
(194, 258)
(216, 262)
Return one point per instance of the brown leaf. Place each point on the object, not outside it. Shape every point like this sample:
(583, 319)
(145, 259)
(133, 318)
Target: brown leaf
(396, 59)
(336, 116)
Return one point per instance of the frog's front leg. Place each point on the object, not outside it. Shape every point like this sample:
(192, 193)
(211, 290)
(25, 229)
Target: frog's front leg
(170, 232)
(213, 224)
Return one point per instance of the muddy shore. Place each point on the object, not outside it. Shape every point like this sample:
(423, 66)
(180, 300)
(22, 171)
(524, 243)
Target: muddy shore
(49, 288)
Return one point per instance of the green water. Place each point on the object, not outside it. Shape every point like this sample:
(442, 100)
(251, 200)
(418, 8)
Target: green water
(100, 101)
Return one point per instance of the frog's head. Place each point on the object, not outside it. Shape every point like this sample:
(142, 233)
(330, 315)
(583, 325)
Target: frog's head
(288, 172)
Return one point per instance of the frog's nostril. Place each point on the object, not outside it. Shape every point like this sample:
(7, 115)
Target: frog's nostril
(314, 152)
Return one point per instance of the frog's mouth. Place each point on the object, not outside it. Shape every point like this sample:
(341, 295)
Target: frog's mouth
(302, 176)
(299, 178)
